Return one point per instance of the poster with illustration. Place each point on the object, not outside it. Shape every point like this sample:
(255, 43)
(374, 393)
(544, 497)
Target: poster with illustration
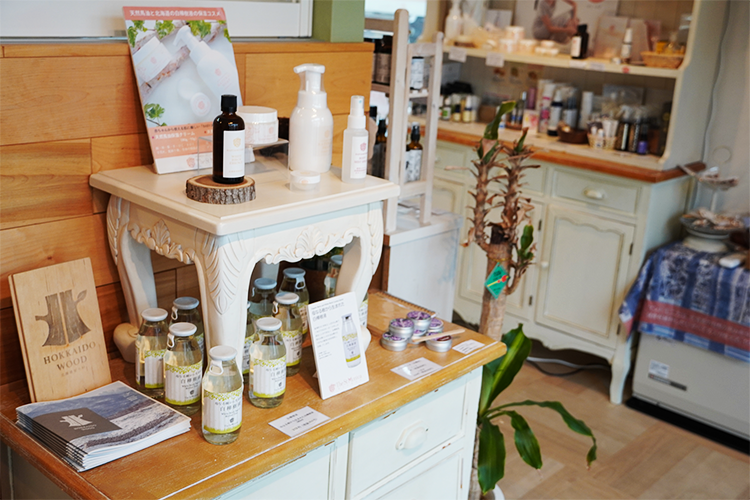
(183, 61)
(558, 20)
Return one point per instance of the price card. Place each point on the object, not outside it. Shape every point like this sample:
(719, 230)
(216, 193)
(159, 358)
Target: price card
(574, 63)
(468, 346)
(298, 422)
(457, 54)
(495, 59)
(597, 66)
(416, 369)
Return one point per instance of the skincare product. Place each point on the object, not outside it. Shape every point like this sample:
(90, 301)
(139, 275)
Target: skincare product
(267, 365)
(150, 60)
(334, 268)
(229, 144)
(627, 46)
(261, 125)
(185, 310)
(414, 156)
(453, 21)
(183, 369)
(304, 180)
(579, 44)
(294, 281)
(221, 416)
(436, 326)
(286, 309)
(555, 113)
(219, 74)
(392, 342)
(150, 345)
(441, 344)
(421, 321)
(311, 123)
(354, 159)
(200, 104)
(401, 327)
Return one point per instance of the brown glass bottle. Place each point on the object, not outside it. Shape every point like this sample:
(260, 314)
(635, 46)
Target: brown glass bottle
(229, 144)
(379, 151)
(414, 156)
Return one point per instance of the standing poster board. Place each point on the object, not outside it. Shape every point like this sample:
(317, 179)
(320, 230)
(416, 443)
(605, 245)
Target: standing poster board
(183, 61)
(562, 14)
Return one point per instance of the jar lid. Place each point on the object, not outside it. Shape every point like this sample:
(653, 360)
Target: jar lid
(268, 324)
(265, 283)
(182, 329)
(436, 325)
(304, 177)
(185, 303)
(223, 353)
(442, 344)
(418, 315)
(287, 298)
(392, 342)
(145, 50)
(154, 314)
(294, 272)
(257, 114)
(337, 259)
(402, 327)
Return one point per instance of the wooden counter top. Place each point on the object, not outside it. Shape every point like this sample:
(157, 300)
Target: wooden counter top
(189, 467)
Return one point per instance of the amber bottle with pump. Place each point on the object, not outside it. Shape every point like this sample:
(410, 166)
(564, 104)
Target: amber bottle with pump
(229, 144)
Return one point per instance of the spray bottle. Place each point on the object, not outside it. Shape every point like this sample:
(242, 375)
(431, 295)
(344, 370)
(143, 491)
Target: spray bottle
(354, 161)
(219, 75)
(311, 123)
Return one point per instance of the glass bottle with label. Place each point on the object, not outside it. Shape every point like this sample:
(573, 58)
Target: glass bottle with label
(286, 309)
(183, 369)
(350, 337)
(249, 336)
(150, 345)
(261, 298)
(267, 365)
(185, 309)
(334, 268)
(222, 397)
(363, 308)
(229, 144)
(414, 156)
(294, 281)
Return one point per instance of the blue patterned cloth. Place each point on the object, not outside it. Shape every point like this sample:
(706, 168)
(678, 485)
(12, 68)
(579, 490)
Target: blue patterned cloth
(684, 295)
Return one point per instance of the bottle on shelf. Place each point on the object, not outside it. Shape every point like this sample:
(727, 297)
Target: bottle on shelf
(372, 132)
(286, 309)
(221, 417)
(555, 113)
(334, 268)
(627, 46)
(183, 369)
(579, 45)
(354, 158)
(185, 309)
(249, 337)
(453, 22)
(311, 123)
(150, 346)
(228, 144)
(570, 111)
(294, 281)
(383, 61)
(379, 150)
(267, 365)
(414, 155)
(259, 306)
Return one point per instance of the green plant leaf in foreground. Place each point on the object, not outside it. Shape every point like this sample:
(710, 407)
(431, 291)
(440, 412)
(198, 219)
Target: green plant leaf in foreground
(497, 375)
(490, 132)
(491, 457)
(526, 442)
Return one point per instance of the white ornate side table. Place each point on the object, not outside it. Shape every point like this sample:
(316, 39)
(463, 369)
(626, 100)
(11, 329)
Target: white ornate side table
(151, 212)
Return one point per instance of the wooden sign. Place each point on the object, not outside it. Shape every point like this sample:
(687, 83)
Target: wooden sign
(60, 330)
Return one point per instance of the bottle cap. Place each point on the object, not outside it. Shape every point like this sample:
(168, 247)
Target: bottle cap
(294, 272)
(182, 329)
(268, 324)
(265, 284)
(311, 93)
(185, 303)
(357, 118)
(154, 314)
(337, 259)
(229, 103)
(223, 352)
(287, 298)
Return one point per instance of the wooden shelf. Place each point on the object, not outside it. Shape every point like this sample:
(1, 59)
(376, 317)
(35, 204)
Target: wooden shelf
(386, 89)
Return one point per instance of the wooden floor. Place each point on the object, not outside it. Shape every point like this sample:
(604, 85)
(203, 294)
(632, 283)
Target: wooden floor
(639, 456)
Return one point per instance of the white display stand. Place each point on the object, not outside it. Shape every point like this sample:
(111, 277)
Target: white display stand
(151, 212)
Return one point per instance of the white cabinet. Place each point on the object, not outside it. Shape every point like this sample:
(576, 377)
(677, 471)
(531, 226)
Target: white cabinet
(591, 231)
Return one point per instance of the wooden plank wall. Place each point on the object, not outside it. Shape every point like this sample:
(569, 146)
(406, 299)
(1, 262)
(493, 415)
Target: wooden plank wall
(70, 110)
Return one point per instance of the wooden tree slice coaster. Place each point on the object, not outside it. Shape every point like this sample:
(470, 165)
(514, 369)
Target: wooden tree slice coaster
(205, 190)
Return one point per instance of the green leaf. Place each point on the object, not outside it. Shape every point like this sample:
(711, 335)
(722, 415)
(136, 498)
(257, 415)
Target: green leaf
(491, 456)
(132, 33)
(527, 238)
(153, 111)
(526, 442)
(573, 423)
(519, 146)
(164, 28)
(139, 25)
(490, 132)
(500, 375)
(226, 35)
(200, 28)
(489, 154)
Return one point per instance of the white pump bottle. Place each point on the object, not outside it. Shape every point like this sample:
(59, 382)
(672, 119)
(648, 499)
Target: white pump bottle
(354, 160)
(453, 22)
(311, 123)
(219, 75)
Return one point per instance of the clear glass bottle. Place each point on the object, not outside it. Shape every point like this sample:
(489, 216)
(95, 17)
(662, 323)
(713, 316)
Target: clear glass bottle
(294, 281)
(267, 365)
(185, 309)
(261, 298)
(334, 268)
(249, 334)
(350, 337)
(222, 397)
(286, 309)
(150, 345)
(363, 309)
(183, 369)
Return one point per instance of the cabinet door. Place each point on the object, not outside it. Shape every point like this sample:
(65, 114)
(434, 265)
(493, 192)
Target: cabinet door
(582, 277)
(448, 195)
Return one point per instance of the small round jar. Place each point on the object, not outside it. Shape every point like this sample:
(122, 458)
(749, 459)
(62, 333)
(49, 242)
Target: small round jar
(436, 326)
(304, 180)
(391, 342)
(261, 125)
(401, 327)
(441, 344)
(515, 32)
(151, 59)
(508, 45)
(527, 45)
(421, 321)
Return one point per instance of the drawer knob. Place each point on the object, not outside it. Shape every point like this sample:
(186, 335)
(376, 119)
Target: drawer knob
(413, 436)
(593, 194)
(544, 264)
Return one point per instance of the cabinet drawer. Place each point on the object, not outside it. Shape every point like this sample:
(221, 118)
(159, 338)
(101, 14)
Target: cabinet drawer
(451, 155)
(596, 191)
(439, 481)
(411, 433)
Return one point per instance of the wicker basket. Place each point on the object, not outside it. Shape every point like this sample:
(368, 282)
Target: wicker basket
(656, 60)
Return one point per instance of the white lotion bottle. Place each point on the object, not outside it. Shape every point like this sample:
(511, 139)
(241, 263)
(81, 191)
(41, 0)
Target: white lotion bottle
(311, 123)
(219, 75)
(453, 22)
(356, 137)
